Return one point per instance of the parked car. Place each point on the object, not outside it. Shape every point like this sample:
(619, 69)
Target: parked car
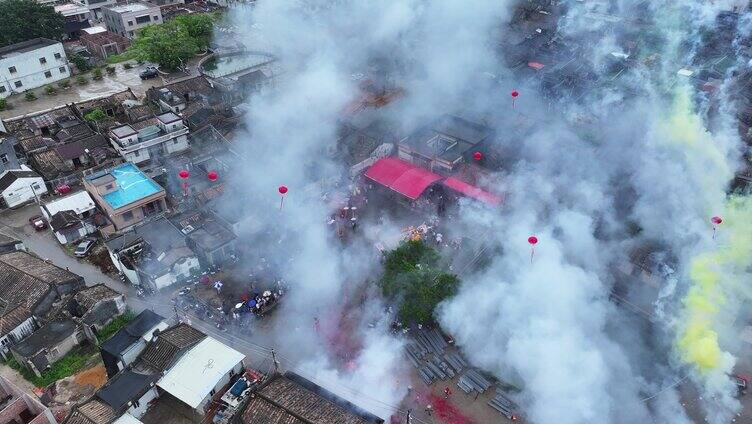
(38, 222)
(148, 73)
(84, 247)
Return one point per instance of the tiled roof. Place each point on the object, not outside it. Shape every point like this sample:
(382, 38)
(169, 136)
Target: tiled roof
(38, 268)
(167, 347)
(92, 412)
(12, 318)
(291, 399)
(90, 296)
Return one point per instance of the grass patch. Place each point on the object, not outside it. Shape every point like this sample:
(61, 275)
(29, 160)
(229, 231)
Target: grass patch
(122, 57)
(110, 329)
(68, 365)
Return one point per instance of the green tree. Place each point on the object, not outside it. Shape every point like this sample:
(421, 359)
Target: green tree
(3, 104)
(26, 19)
(95, 115)
(170, 44)
(81, 63)
(30, 96)
(413, 277)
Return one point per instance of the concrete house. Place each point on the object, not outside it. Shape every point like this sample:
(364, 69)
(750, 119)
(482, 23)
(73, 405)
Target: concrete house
(127, 18)
(20, 407)
(154, 254)
(123, 348)
(445, 144)
(126, 195)
(71, 217)
(213, 242)
(48, 344)
(76, 17)
(19, 187)
(150, 139)
(31, 64)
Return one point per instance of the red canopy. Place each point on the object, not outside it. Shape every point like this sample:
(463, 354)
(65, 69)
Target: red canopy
(402, 177)
(472, 191)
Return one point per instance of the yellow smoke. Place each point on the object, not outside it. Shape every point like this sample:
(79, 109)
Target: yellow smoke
(715, 276)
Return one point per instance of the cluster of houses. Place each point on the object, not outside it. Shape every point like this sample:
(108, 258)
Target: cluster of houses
(160, 371)
(117, 177)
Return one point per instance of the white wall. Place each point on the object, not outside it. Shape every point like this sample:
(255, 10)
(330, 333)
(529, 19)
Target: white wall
(143, 403)
(20, 191)
(172, 146)
(30, 72)
(24, 329)
(221, 383)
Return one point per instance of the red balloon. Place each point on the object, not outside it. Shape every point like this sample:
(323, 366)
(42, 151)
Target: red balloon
(477, 155)
(184, 174)
(532, 240)
(515, 93)
(282, 189)
(716, 220)
(212, 176)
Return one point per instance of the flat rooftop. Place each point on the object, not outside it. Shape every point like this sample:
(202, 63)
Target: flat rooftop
(131, 7)
(133, 185)
(25, 46)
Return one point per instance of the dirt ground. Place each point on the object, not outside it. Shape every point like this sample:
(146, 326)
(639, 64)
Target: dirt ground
(79, 387)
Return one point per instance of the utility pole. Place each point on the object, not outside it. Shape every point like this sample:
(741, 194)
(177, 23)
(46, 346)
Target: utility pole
(276, 363)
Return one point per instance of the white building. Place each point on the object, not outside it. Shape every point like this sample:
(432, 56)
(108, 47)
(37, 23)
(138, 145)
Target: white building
(18, 187)
(201, 373)
(16, 324)
(70, 217)
(151, 139)
(31, 64)
(95, 7)
(126, 19)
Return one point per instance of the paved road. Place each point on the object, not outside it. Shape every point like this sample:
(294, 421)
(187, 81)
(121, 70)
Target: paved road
(15, 223)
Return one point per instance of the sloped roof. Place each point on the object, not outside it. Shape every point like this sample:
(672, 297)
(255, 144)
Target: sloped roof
(123, 339)
(404, 178)
(90, 296)
(291, 399)
(38, 268)
(11, 176)
(13, 318)
(197, 372)
(125, 387)
(161, 353)
(48, 336)
(93, 411)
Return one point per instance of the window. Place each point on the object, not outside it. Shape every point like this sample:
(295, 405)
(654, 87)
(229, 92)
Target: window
(156, 18)
(58, 56)
(54, 351)
(175, 141)
(136, 153)
(2, 89)
(12, 69)
(136, 404)
(42, 60)
(48, 74)
(108, 187)
(62, 69)
(128, 216)
(174, 126)
(143, 19)
(18, 84)
(130, 33)
(130, 23)
(4, 158)
(36, 186)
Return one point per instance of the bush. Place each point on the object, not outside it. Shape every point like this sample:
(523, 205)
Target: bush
(3, 104)
(97, 74)
(81, 63)
(95, 115)
(110, 70)
(30, 96)
(64, 84)
(50, 89)
(127, 65)
(81, 80)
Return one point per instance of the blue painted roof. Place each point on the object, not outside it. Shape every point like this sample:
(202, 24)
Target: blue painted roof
(133, 185)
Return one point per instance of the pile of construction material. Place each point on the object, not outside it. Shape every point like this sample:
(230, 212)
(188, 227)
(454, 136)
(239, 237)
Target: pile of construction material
(503, 404)
(472, 380)
(428, 354)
